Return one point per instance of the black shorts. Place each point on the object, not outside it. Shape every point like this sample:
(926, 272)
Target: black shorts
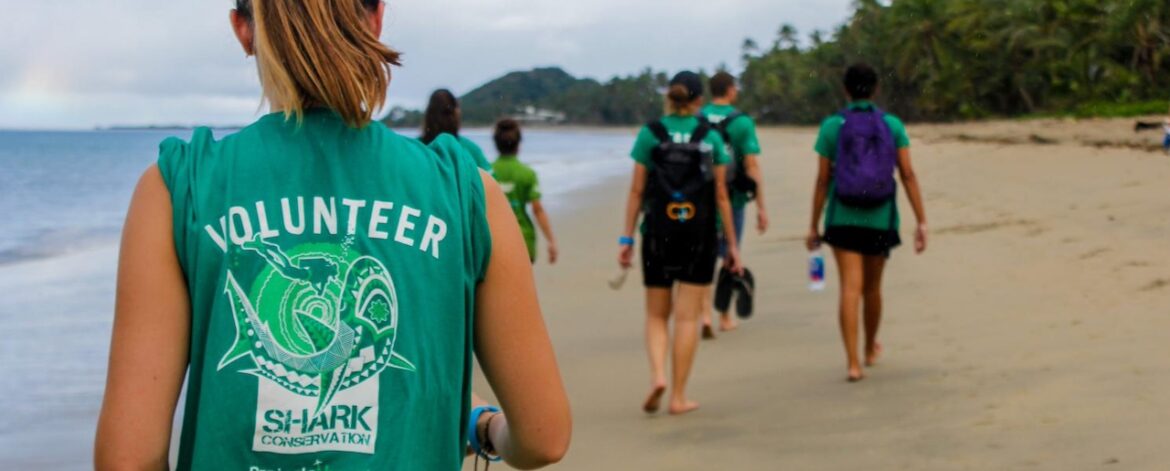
(665, 264)
(862, 240)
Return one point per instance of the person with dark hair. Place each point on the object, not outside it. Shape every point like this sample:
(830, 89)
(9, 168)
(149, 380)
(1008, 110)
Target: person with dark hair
(679, 185)
(443, 116)
(522, 187)
(323, 285)
(860, 148)
(745, 179)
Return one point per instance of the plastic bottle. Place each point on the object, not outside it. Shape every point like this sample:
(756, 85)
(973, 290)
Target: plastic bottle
(816, 270)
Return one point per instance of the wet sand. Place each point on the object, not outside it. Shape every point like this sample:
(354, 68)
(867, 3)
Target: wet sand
(1032, 335)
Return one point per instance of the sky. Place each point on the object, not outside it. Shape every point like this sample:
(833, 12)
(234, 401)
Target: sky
(80, 64)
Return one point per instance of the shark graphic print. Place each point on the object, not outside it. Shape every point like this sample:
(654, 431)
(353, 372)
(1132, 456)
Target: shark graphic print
(317, 327)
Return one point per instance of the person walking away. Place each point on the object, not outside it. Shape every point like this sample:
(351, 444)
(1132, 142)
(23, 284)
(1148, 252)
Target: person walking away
(322, 283)
(444, 116)
(1166, 139)
(679, 184)
(522, 187)
(859, 150)
(745, 178)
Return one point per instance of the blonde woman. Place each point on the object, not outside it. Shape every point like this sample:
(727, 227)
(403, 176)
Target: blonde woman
(321, 281)
(679, 185)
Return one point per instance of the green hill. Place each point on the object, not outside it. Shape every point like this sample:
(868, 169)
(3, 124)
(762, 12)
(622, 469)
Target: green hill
(543, 88)
(620, 101)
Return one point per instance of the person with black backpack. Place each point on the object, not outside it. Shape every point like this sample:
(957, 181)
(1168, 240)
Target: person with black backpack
(745, 183)
(679, 184)
(860, 149)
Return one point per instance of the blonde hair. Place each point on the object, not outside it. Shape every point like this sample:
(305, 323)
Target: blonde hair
(679, 101)
(321, 53)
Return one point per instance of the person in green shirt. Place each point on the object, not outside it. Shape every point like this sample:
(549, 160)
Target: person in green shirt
(744, 145)
(323, 284)
(861, 237)
(522, 187)
(686, 262)
(443, 116)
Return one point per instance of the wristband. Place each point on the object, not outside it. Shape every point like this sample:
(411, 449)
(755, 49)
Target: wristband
(473, 431)
(625, 241)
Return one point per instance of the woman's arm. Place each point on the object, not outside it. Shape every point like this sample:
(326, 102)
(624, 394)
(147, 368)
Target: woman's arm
(546, 229)
(633, 209)
(751, 165)
(914, 192)
(724, 204)
(149, 350)
(514, 350)
(820, 194)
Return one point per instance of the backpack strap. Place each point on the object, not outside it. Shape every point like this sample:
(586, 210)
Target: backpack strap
(659, 131)
(701, 131)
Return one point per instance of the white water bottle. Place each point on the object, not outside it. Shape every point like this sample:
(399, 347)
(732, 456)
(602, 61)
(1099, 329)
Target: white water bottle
(816, 270)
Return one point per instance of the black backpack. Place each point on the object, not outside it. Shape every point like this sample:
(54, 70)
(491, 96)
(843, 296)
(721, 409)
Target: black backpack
(737, 177)
(680, 189)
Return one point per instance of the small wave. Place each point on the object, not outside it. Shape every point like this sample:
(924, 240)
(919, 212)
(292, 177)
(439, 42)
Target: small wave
(49, 244)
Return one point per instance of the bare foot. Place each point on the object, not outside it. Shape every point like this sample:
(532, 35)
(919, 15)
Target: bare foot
(680, 408)
(654, 400)
(708, 332)
(872, 354)
(855, 375)
(728, 324)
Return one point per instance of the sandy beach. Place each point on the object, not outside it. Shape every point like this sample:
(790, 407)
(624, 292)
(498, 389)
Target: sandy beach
(1032, 334)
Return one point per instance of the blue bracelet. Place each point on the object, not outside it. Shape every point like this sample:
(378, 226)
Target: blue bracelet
(472, 429)
(625, 241)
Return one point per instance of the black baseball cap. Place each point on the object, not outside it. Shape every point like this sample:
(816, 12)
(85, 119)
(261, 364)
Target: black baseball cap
(691, 80)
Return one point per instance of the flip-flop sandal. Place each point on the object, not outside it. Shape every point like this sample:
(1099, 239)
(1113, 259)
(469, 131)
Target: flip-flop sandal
(745, 292)
(708, 333)
(723, 289)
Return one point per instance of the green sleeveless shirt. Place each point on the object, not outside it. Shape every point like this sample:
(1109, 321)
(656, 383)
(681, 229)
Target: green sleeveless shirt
(332, 275)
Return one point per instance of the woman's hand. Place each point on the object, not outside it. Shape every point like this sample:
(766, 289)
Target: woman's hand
(626, 257)
(920, 236)
(813, 241)
(732, 262)
(762, 222)
(553, 252)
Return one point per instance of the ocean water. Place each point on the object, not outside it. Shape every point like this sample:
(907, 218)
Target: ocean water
(63, 196)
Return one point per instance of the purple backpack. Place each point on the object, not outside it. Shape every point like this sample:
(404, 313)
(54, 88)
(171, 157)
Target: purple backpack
(866, 158)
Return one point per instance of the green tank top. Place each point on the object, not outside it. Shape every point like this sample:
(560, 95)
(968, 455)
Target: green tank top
(332, 275)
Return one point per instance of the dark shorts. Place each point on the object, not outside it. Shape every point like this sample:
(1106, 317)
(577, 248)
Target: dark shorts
(862, 240)
(665, 264)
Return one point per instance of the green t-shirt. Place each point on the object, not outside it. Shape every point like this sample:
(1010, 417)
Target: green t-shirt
(519, 182)
(744, 141)
(476, 153)
(680, 128)
(332, 275)
(884, 217)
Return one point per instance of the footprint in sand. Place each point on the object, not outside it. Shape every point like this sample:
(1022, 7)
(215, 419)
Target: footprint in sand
(1094, 253)
(1156, 285)
(966, 229)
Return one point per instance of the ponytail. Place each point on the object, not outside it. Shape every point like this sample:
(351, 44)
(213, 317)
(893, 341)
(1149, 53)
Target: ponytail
(680, 102)
(321, 53)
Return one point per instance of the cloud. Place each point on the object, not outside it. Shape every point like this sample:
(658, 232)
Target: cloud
(84, 63)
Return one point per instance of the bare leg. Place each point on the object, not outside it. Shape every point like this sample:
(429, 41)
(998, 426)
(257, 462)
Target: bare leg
(658, 307)
(686, 339)
(727, 322)
(708, 329)
(849, 266)
(872, 291)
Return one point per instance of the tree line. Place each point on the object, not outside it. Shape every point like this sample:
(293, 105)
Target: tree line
(968, 59)
(939, 59)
